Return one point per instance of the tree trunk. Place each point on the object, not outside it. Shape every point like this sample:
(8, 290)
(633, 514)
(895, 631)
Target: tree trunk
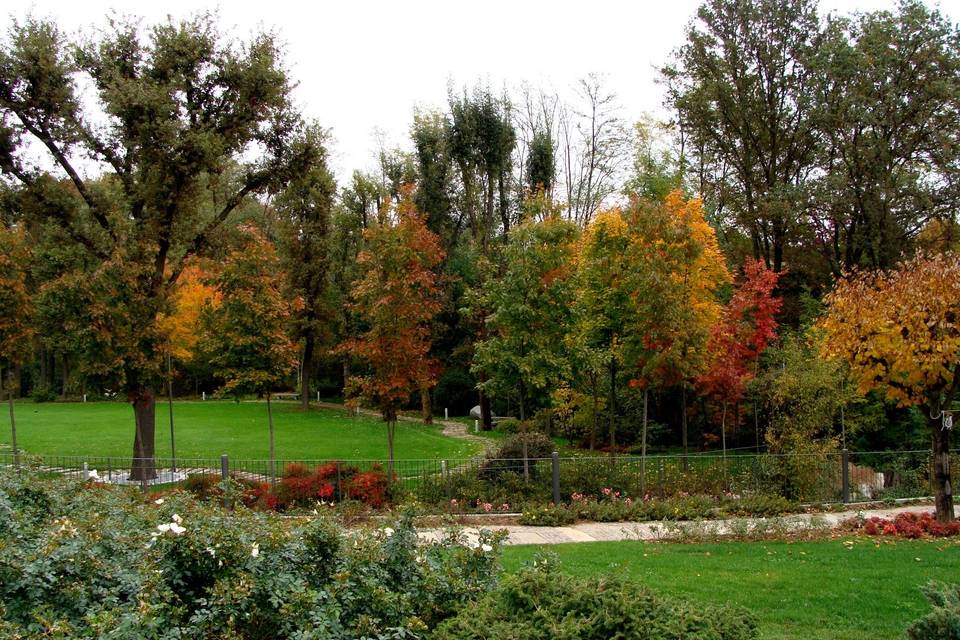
(486, 415)
(426, 405)
(723, 432)
(643, 444)
(144, 467)
(594, 421)
(523, 431)
(613, 405)
(173, 443)
(306, 371)
(13, 420)
(391, 431)
(943, 490)
(273, 458)
(683, 424)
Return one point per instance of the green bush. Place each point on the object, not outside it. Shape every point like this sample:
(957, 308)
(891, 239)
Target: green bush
(81, 560)
(509, 457)
(943, 623)
(540, 603)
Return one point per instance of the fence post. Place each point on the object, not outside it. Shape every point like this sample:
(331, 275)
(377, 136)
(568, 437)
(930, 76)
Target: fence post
(845, 474)
(224, 475)
(339, 484)
(556, 477)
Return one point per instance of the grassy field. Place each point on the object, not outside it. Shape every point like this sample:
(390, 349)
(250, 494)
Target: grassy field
(806, 590)
(207, 429)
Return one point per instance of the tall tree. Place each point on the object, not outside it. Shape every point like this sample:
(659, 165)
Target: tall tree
(529, 313)
(395, 296)
(741, 89)
(679, 270)
(899, 332)
(16, 328)
(173, 115)
(747, 326)
(605, 299)
(888, 108)
(246, 327)
(304, 208)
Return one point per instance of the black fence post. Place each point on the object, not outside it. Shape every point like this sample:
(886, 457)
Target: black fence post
(845, 474)
(224, 476)
(339, 484)
(556, 477)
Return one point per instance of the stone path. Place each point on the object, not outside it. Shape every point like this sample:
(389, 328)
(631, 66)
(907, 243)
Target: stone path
(614, 531)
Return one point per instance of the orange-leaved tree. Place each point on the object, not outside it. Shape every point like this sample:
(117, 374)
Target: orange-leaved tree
(396, 297)
(675, 257)
(246, 337)
(15, 310)
(899, 331)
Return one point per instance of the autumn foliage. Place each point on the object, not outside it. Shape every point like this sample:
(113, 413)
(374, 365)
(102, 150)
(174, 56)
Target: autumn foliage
(395, 297)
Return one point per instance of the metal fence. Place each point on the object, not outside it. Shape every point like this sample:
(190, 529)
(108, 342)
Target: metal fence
(826, 477)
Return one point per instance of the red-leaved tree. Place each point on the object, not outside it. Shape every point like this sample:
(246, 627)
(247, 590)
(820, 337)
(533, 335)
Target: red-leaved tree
(747, 326)
(396, 297)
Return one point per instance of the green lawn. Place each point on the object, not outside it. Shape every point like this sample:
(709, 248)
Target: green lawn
(207, 429)
(806, 590)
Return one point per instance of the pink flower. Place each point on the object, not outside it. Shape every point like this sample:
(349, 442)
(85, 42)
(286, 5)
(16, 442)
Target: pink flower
(487, 507)
(606, 491)
(505, 507)
(628, 501)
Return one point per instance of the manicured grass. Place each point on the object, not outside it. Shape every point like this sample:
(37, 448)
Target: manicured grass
(207, 429)
(802, 590)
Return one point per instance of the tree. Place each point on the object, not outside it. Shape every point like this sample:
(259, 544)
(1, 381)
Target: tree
(741, 91)
(605, 300)
(182, 329)
(888, 108)
(173, 116)
(246, 328)
(529, 312)
(530, 315)
(899, 333)
(747, 326)
(304, 208)
(395, 297)
(16, 329)
(679, 270)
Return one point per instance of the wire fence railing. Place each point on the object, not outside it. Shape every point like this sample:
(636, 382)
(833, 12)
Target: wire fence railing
(817, 477)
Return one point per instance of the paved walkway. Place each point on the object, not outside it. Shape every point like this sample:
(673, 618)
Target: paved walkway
(613, 531)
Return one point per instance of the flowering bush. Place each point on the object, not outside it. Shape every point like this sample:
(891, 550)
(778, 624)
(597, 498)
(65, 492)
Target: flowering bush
(95, 561)
(910, 525)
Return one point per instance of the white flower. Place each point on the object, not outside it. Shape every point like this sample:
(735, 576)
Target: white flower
(163, 528)
(211, 551)
(388, 532)
(255, 550)
(176, 518)
(158, 501)
(176, 529)
(93, 475)
(487, 548)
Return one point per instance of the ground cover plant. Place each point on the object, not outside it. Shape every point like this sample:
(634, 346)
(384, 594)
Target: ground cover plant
(838, 588)
(205, 429)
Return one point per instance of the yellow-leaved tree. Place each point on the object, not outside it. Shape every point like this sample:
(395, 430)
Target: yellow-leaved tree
(899, 331)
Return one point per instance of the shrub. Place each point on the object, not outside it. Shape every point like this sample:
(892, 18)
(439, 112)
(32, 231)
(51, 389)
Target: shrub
(540, 603)
(910, 525)
(509, 457)
(943, 623)
(369, 487)
(549, 516)
(102, 562)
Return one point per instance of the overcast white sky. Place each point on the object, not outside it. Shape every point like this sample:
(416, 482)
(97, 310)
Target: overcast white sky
(364, 65)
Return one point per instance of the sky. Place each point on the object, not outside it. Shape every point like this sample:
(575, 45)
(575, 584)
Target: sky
(364, 66)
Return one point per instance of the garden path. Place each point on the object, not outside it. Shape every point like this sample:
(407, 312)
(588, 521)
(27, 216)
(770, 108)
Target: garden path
(614, 531)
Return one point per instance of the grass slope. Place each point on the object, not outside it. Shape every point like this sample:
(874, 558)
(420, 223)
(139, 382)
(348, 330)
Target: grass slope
(802, 590)
(207, 429)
